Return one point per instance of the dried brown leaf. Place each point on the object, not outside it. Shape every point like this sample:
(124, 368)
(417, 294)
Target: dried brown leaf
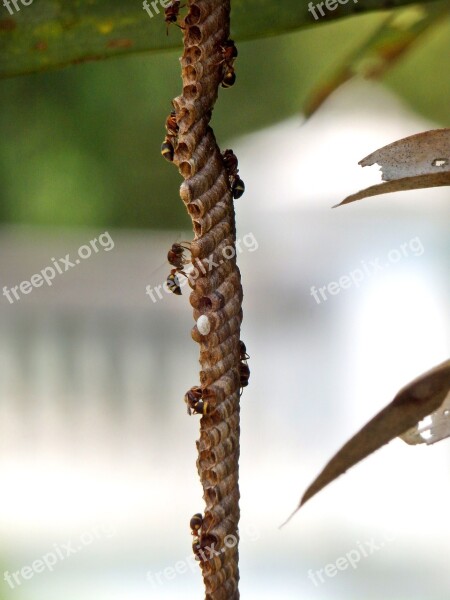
(414, 402)
(418, 161)
(436, 430)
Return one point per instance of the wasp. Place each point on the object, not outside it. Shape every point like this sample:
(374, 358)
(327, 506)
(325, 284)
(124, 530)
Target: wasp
(177, 259)
(195, 399)
(244, 375)
(244, 371)
(171, 13)
(229, 55)
(173, 283)
(192, 398)
(196, 523)
(171, 124)
(243, 356)
(168, 145)
(176, 256)
(201, 408)
(229, 78)
(237, 187)
(231, 165)
(167, 149)
(230, 161)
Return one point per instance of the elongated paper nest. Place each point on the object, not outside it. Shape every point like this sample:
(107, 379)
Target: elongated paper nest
(216, 292)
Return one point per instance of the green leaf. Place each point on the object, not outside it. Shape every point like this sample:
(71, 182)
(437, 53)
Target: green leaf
(50, 34)
(381, 50)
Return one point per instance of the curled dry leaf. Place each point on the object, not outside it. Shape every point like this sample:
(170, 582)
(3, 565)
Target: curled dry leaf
(420, 398)
(435, 430)
(418, 161)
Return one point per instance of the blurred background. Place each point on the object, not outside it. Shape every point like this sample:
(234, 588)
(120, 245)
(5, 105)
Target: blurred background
(96, 448)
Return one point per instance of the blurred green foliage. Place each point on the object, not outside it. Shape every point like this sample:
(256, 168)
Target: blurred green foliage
(57, 33)
(81, 146)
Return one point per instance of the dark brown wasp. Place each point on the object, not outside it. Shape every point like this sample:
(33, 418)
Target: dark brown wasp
(196, 523)
(171, 13)
(192, 398)
(196, 400)
(201, 408)
(177, 259)
(229, 78)
(229, 55)
(171, 124)
(231, 165)
(173, 283)
(244, 371)
(243, 352)
(168, 145)
(244, 375)
(167, 149)
(230, 161)
(237, 187)
(176, 256)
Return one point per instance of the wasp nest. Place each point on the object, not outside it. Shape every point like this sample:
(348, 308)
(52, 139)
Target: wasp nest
(216, 293)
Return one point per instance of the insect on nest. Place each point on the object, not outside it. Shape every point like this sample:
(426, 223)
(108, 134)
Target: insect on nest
(197, 400)
(229, 55)
(171, 14)
(231, 165)
(178, 259)
(170, 141)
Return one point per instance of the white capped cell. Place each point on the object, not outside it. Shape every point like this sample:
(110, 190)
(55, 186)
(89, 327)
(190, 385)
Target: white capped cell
(203, 325)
